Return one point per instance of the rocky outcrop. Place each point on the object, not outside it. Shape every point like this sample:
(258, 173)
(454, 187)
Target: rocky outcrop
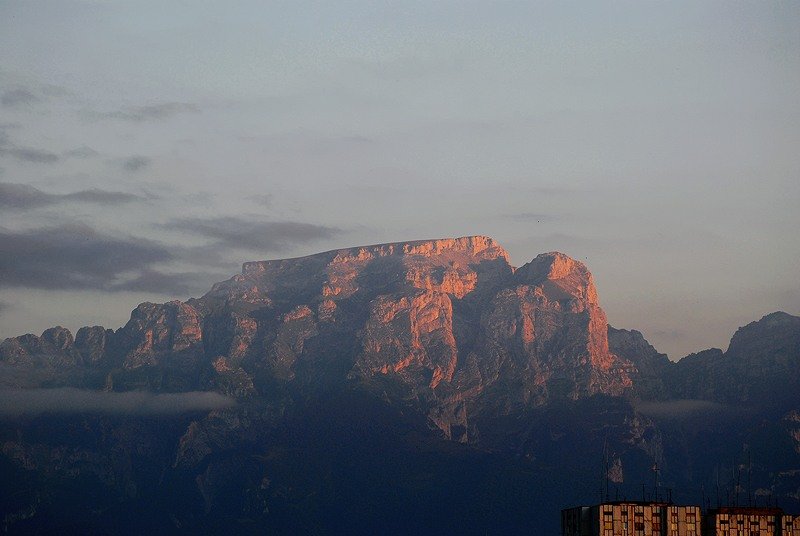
(648, 368)
(450, 322)
(337, 358)
(55, 347)
(761, 365)
(95, 344)
(156, 334)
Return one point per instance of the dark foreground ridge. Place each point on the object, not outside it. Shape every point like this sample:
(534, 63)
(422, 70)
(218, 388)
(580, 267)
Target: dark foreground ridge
(384, 388)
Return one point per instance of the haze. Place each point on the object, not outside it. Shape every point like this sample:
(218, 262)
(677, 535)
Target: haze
(148, 148)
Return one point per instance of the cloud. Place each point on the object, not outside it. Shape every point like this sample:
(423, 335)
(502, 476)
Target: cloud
(23, 196)
(682, 408)
(20, 97)
(102, 197)
(29, 154)
(17, 402)
(3, 307)
(24, 154)
(73, 257)
(135, 163)
(81, 152)
(77, 257)
(151, 112)
(233, 232)
(184, 283)
(24, 96)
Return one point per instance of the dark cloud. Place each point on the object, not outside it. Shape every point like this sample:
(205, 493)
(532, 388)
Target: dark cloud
(29, 154)
(102, 197)
(3, 307)
(135, 163)
(19, 97)
(183, 284)
(233, 232)
(76, 257)
(73, 257)
(81, 152)
(151, 112)
(24, 154)
(16, 402)
(24, 96)
(23, 196)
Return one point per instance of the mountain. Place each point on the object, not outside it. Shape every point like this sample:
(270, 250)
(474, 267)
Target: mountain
(365, 384)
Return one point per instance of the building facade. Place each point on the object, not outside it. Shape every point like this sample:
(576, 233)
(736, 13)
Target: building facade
(631, 519)
(750, 521)
(625, 518)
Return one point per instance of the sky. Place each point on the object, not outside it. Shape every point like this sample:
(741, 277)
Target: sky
(147, 149)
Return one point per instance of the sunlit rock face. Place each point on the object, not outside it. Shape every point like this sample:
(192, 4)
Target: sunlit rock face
(444, 319)
(341, 357)
(449, 323)
(761, 365)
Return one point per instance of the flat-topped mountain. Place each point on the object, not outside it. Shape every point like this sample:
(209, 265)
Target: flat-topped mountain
(413, 348)
(450, 321)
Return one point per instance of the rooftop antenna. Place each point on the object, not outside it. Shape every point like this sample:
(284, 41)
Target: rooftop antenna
(655, 481)
(749, 474)
(718, 505)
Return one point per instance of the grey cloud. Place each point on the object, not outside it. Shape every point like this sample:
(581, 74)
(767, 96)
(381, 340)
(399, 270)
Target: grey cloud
(102, 197)
(260, 235)
(81, 152)
(24, 154)
(151, 112)
(17, 402)
(185, 283)
(78, 257)
(73, 257)
(135, 163)
(3, 307)
(682, 408)
(23, 96)
(18, 97)
(23, 196)
(29, 154)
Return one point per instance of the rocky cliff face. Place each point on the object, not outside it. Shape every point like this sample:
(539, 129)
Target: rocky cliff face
(761, 366)
(408, 346)
(448, 322)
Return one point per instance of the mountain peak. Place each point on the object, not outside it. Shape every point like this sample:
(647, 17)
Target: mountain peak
(561, 276)
(473, 247)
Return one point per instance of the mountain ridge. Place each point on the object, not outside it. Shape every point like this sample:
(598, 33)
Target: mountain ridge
(391, 367)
